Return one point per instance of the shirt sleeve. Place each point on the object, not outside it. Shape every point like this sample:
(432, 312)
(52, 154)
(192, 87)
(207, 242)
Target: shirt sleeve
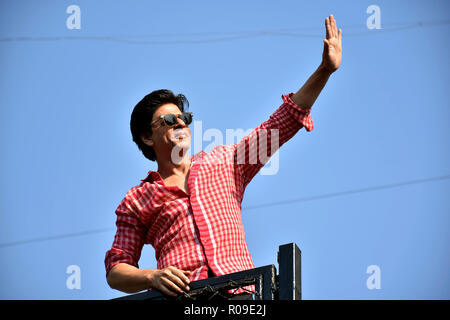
(128, 241)
(255, 149)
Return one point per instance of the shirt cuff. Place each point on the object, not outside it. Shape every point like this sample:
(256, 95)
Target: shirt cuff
(302, 115)
(115, 256)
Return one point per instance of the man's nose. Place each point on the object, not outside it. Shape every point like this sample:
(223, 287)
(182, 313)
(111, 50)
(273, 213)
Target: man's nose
(180, 122)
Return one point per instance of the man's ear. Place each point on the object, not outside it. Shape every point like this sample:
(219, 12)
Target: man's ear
(147, 139)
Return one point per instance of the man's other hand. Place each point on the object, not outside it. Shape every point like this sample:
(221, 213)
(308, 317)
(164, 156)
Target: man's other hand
(170, 281)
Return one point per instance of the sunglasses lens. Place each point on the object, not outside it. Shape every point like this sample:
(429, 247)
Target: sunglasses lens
(170, 119)
(186, 117)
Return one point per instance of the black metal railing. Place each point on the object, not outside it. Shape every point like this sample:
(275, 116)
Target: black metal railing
(265, 281)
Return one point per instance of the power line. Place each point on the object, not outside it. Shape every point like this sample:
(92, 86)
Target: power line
(62, 236)
(401, 27)
(344, 193)
(229, 36)
(271, 204)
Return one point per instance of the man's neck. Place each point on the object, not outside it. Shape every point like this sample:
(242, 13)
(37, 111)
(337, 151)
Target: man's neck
(166, 168)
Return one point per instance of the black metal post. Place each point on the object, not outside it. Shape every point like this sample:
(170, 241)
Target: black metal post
(289, 259)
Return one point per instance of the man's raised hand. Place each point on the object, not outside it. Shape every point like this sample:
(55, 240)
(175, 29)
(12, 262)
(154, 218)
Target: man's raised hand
(332, 49)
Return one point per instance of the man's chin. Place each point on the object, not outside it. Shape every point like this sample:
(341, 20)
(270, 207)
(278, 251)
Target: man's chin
(179, 151)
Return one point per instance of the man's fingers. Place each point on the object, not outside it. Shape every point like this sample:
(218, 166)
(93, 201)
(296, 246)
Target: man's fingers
(170, 285)
(340, 36)
(167, 287)
(334, 26)
(179, 282)
(331, 27)
(166, 291)
(181, 275)
(327, 28)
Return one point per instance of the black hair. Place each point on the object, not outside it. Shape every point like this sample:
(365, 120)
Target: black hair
(142, 116)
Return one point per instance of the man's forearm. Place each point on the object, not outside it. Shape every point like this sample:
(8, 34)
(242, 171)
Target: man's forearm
(129, 279)
(308, 93)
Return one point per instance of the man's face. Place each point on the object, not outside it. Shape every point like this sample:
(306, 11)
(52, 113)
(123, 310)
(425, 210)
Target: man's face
(164, 138)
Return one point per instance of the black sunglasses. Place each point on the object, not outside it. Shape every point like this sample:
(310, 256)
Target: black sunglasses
(171, 119)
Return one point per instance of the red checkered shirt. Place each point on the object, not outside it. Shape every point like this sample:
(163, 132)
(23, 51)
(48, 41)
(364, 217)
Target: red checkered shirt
(203, 229)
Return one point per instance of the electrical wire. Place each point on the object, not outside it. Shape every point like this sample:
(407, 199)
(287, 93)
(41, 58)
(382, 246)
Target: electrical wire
(270, 204)
(348, 192)
(230, 36)
(57, 237)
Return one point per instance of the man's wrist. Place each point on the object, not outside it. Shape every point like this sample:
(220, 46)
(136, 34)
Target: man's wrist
(149, 275)
(323, 69)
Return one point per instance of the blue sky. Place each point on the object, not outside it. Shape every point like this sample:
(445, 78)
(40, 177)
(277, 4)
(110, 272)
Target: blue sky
(68, 158)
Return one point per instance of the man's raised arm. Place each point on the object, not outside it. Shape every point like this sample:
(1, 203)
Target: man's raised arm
(293, 115)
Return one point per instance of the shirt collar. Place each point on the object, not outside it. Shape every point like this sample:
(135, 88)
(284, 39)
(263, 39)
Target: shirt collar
(152, 176)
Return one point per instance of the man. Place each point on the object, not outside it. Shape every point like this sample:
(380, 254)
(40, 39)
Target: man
(189, 210)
